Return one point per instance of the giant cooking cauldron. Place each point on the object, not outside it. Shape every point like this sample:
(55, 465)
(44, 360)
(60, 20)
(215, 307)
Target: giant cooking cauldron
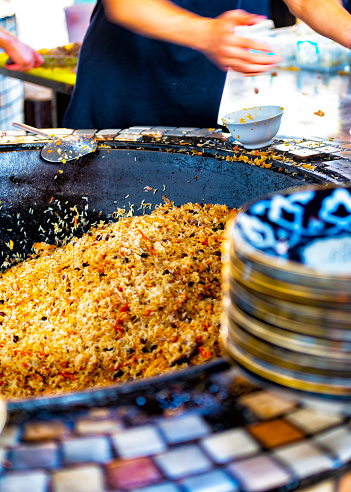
(36, 195)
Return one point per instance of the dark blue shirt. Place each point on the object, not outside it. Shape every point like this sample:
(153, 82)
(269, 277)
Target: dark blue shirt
(124, 79)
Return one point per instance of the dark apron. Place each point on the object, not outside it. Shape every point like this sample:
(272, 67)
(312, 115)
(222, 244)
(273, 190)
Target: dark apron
(124, 79)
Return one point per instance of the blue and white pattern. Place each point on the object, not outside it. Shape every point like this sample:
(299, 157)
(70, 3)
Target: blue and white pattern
(286, 223)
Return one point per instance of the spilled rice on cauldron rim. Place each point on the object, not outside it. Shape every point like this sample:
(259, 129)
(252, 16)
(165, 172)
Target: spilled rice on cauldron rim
(127, 300)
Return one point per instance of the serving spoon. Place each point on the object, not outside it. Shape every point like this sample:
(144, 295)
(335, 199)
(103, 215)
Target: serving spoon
(62, 149)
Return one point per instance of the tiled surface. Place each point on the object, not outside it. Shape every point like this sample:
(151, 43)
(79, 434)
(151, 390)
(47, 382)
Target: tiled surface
(131, 474)
(260, 473)
(305, 459)
(142, 441)
(275, 433)
(43, 431)
(337, 442)
(43, 455)
(328, 486)
(88, 478)
(96, 449)
(185, 428)
(231, 444)
(266, 405)
(225, 436)
(35, 481)
(183, 461)
(287, 155)
(215, 481)
(311, 422)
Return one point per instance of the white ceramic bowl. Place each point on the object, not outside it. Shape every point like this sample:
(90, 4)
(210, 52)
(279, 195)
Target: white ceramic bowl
(254, 127)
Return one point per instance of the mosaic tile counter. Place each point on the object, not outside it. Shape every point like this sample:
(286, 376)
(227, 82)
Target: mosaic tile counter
(223, 435)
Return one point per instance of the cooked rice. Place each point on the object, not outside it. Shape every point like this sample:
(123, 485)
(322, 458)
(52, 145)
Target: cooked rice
(127, 300)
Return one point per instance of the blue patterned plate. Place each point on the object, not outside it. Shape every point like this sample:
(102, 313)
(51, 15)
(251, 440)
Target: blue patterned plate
(304, 231)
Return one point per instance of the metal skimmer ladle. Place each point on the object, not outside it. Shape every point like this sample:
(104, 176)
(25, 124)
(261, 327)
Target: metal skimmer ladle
(62, 149)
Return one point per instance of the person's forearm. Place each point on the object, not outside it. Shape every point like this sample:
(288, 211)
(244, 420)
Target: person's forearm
(327, 17)
(215, 38)
(5, 38)
(160, 19)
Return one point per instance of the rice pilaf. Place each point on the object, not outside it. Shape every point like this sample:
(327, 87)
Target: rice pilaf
(130, 299)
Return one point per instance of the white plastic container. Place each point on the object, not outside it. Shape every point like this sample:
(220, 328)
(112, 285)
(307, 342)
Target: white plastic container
(77, 20)
(318, 53)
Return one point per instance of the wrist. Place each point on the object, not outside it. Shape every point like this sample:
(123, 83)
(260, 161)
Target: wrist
(6, 40)
(202, 34)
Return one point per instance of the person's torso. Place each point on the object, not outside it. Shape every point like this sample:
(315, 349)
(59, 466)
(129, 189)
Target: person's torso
(144, 81)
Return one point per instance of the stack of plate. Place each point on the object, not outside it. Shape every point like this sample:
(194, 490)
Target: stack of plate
(287, 284)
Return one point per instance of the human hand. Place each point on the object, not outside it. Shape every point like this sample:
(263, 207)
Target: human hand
(21, 56)
(228, 51)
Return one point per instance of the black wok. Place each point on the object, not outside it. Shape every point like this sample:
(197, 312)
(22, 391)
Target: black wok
(34, 192)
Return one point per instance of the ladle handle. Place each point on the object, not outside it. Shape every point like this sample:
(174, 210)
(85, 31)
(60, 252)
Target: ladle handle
(31, 129)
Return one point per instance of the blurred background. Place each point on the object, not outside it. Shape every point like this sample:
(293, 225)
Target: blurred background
(44, 24)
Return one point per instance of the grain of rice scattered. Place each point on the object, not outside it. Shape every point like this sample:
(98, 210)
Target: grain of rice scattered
(131, 299)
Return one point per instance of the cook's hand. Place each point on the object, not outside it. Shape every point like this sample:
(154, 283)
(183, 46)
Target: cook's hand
(22, 57)
(227, 50)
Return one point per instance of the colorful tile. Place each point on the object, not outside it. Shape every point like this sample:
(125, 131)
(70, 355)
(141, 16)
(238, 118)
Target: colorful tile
(223, 136)
(260, 473)
(215, 481)
(153, 133)
(99, 413)
(83, 478)
(110, 132)
(312, 144)
(266, 405)
(44, 455)
(132, 131)
(89, 132)
(304, 153)
(107, 134)
(96, 449)
(86, 426)
(183, 461)
(341, 166)
(275, 433)
(10, 436)
(3, 461)
(35, 481)
(163, 128)
(345, 483)
(129, 137)
(132, 474)
(337, 441)
(15, 133)
(229, 445)
(328, 486)
(312, 422)
(45, 430)
(286, 147)
(329, 149)
(304, 459)
(163, 487)
(185, 428)
(139, 441)
(346, 154)
(203, 132)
